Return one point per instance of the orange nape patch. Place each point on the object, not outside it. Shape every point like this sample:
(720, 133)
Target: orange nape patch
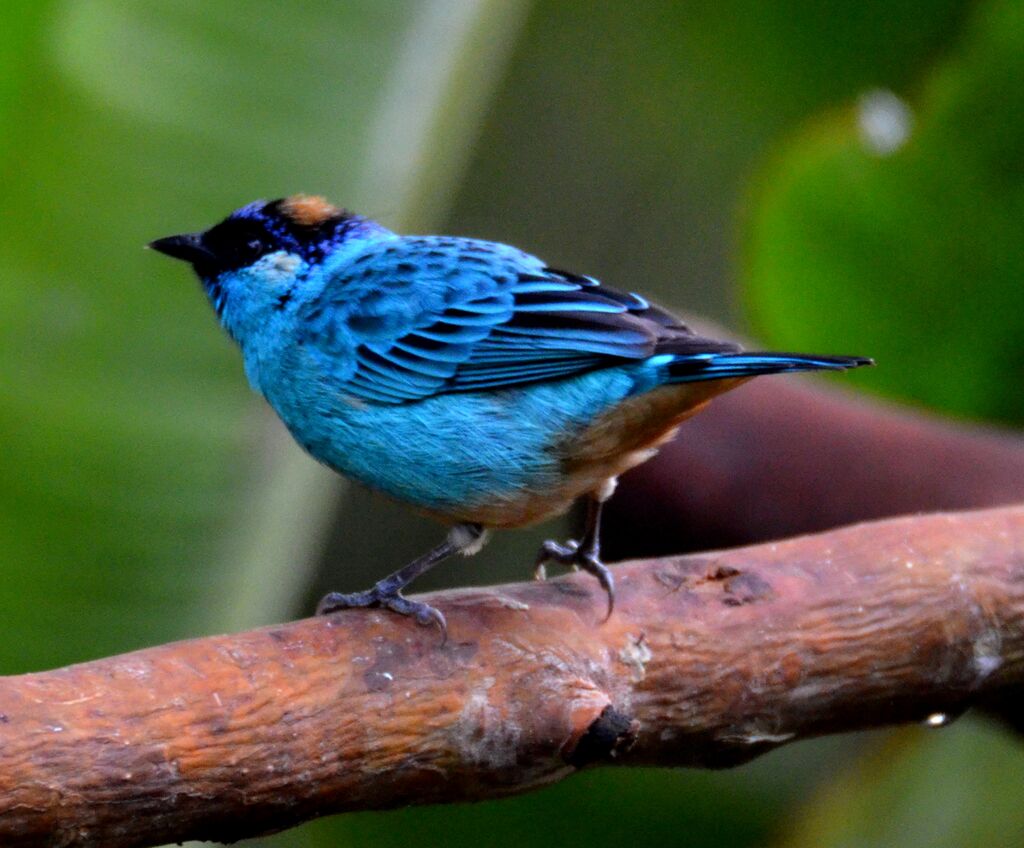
(308, 210)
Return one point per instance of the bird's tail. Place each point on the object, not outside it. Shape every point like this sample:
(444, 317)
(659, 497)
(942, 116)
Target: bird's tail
(720, 366)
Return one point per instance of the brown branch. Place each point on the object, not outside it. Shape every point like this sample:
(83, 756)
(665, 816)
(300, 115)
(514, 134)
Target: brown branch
(781, 457)
(709, 660)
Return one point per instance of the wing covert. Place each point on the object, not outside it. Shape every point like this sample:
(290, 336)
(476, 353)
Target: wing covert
(430, 315)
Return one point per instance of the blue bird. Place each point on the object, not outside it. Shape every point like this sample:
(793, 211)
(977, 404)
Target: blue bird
(465, 377)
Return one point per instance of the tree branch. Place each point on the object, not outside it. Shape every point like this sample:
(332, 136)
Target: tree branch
(709, 661)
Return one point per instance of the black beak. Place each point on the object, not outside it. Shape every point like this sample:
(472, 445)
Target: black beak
(188, 247)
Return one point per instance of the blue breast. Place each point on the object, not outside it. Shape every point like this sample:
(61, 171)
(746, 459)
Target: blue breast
(451, 450)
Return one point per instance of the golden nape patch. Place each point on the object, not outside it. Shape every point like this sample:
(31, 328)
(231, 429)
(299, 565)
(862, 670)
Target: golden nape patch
(308, 211)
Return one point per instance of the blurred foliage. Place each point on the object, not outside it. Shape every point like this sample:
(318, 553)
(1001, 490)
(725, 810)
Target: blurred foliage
(586, 810)
(132, 447)
(915, 254)
(634, 133)
(917, 792)
(146, 495)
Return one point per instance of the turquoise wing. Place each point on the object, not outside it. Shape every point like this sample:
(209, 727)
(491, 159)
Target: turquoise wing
(421, 316)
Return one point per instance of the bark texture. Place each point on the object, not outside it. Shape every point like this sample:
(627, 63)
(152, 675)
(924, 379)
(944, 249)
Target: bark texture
(709, 660)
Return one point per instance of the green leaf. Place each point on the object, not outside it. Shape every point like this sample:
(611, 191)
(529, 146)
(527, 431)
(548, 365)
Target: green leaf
(913, 257)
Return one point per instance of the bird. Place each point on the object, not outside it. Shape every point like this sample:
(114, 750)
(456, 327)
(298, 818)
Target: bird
(466, 378)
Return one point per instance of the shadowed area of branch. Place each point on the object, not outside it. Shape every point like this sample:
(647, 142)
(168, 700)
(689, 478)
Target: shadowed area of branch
(781, 457)
(708, 661)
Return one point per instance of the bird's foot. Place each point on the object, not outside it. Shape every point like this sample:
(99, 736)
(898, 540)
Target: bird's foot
(573, 555)
(386, 597)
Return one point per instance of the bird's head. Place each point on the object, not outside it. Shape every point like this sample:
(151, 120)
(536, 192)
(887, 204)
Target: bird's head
(254, 259)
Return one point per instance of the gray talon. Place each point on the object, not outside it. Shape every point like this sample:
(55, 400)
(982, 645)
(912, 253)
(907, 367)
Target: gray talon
(573, 555)
(378, 596)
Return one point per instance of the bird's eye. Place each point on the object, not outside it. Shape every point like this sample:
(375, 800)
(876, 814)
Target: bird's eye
(235, 244)
(255, 248)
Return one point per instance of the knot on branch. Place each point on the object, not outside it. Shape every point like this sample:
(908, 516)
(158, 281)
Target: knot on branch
(612, 733)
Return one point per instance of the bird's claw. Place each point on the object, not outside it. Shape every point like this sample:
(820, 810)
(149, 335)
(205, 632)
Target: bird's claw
(391, 599)
(572, 555)
(554, 552)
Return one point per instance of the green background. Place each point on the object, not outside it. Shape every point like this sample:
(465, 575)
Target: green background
(713, 154)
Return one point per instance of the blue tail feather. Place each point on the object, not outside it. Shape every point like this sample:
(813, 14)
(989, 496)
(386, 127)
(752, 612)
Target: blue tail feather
(722, 366)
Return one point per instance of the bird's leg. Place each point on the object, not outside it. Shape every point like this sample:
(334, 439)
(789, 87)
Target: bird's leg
(586, 552)
(387, 592)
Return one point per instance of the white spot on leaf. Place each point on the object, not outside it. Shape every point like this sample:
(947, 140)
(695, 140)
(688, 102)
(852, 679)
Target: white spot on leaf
(885, 122)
